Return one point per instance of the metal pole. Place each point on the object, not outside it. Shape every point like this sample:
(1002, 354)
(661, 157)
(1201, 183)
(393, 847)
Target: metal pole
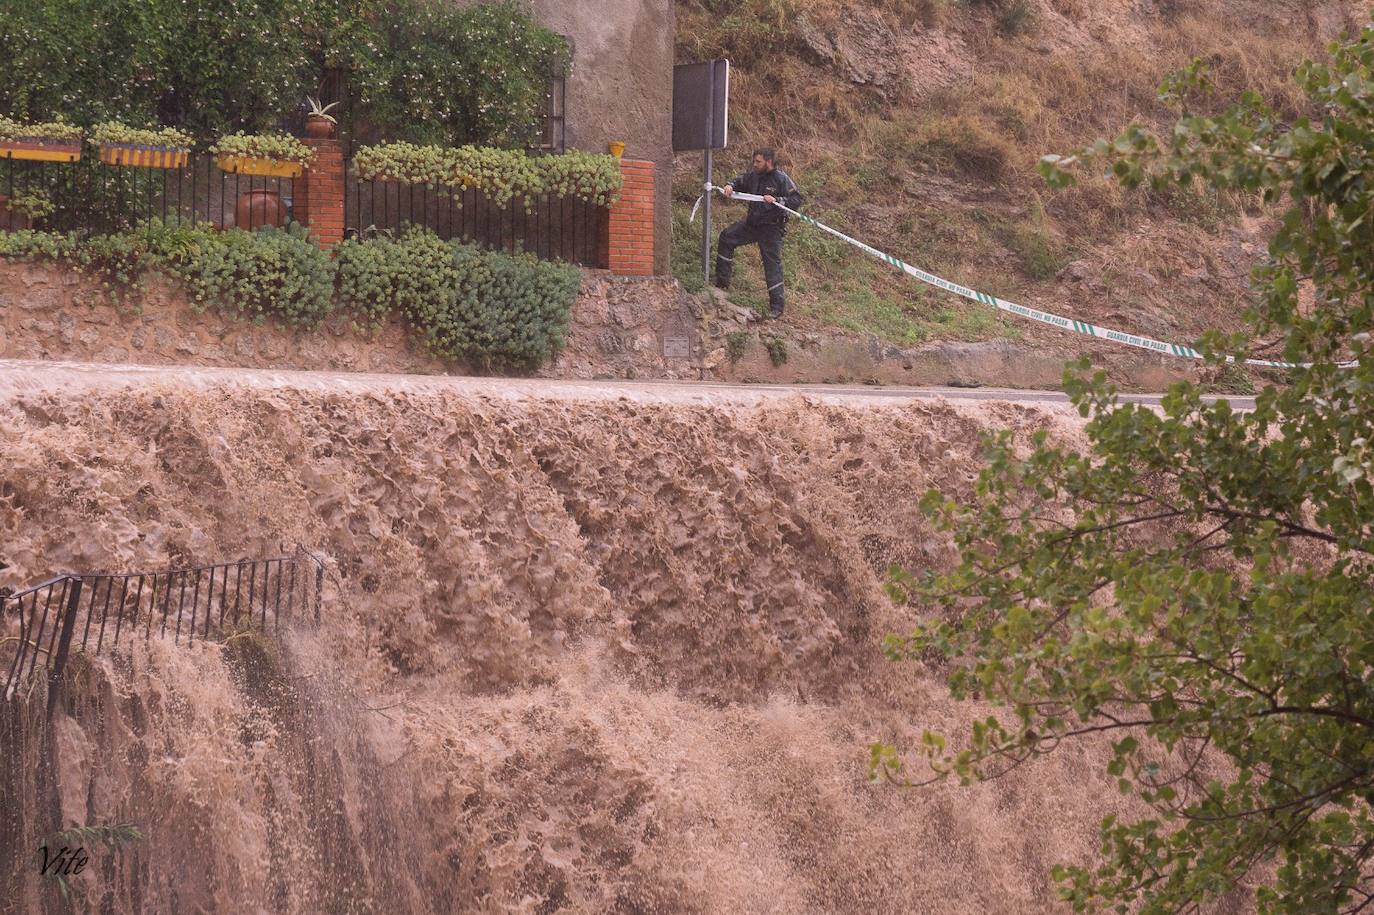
(710, 144)
(64, 644)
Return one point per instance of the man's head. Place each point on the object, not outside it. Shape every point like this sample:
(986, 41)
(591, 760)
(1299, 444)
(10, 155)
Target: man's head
(764, 159)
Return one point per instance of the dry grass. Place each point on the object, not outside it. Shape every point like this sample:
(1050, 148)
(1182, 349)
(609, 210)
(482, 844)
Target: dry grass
(874, 165)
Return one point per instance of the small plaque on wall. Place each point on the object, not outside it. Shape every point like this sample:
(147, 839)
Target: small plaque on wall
(677, 339)
(677, 346)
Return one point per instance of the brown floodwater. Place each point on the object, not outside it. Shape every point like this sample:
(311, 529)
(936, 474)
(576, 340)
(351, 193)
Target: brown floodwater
(579, 652)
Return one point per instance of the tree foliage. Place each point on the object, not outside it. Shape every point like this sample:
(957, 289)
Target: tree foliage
(1196, 585)
(423, 70)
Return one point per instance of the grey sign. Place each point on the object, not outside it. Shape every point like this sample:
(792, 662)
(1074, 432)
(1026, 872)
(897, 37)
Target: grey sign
(677, 338)
(677, 346)
(701, 105)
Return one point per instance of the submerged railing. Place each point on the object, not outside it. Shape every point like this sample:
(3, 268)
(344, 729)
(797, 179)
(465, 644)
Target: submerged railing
(40, 626)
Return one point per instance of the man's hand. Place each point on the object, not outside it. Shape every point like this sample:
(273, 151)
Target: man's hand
(768, 198)
(728, 190)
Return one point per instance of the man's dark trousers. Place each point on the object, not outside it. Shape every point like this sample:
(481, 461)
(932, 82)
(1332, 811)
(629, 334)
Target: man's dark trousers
(769, 240)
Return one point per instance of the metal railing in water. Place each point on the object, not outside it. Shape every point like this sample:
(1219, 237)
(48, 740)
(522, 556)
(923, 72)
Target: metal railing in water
(42, 625)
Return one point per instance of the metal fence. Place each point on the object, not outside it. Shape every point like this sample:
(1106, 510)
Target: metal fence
(552, 228)
(40, 626)
(92, 196)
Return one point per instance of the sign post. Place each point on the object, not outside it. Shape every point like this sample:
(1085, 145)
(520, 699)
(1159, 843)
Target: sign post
(701, 118)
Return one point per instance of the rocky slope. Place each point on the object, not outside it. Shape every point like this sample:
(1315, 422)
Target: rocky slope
(916, 125)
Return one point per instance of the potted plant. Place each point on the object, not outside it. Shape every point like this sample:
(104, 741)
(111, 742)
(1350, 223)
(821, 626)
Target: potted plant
(319, 123)
(54, 141)
(120, 145)
(275, 155)
(19, 211)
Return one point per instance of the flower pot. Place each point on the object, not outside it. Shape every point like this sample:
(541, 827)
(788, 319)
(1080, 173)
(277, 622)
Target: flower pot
(318, 128)
(617, 148)
(271, 168)
(36, 150)
(259, 207)
(12, 220)
(143, 156)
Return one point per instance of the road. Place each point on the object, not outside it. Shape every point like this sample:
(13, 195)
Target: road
(21, 376)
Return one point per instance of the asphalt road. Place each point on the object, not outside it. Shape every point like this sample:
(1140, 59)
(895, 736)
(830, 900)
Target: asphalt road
(19, 376)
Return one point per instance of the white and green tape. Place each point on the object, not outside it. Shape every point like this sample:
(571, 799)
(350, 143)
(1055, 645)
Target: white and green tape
(1044, 317)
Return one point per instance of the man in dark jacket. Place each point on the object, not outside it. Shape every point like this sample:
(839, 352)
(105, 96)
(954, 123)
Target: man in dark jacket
(764, 224)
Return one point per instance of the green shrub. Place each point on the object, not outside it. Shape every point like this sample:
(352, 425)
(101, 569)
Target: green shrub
(53, 131)
(114, 132)
(278, 147)
(736, 345)
(117, 262)
(500, 174)
(32, 245)
(1018, 17)
(464, 303)
(266, 273)
(777, 351)
(484, 308)
(969, 144)
(385, 275)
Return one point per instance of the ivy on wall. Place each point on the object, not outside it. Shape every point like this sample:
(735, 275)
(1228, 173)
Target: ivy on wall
(420, 70)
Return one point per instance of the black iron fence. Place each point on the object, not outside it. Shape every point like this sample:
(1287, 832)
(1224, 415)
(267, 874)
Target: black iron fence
(92, 196)
(552, 228)
(42, 625)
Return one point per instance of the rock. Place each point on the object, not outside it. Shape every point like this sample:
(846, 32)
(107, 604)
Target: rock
(112, 354)
(742, 315)
(868, 49)
(1078, 271)
(714, 358)
(818, 47)
(624, 314)
(611, 343)
(39, 329)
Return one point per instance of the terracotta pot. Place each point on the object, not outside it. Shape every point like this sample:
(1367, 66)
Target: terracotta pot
(259, 207)
(318, 128)
(10, 220)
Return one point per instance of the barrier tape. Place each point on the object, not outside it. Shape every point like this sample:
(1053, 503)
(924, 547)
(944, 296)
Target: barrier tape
(1044, 317)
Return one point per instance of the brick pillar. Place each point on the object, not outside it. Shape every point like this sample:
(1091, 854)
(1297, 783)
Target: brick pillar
(319, 203)
(630, 228)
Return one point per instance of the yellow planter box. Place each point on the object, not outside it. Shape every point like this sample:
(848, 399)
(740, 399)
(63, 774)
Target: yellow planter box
(241, 165)
(40, 152)
(143, 156)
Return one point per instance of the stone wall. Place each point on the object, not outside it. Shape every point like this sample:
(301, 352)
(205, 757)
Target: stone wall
(49, 313)
(621, 328)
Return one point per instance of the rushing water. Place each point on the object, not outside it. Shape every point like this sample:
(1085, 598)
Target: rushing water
(576, 655)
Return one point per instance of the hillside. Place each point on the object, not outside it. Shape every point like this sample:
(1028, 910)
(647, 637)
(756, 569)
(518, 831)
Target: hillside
(917, 125)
